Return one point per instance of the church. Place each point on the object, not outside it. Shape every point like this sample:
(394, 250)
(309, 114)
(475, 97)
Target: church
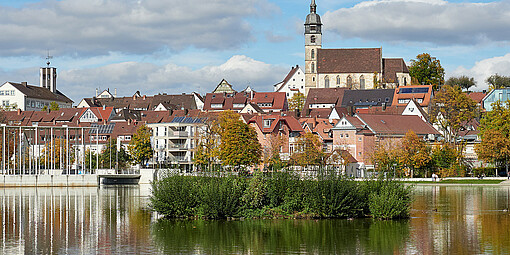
(357, 68)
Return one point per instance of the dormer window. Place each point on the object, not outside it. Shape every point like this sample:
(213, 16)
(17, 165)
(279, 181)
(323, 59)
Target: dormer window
(267, 123)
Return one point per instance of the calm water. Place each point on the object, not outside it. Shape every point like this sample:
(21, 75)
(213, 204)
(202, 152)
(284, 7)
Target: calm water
(115, 220)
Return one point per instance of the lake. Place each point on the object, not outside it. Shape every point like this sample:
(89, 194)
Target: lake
(116, 220)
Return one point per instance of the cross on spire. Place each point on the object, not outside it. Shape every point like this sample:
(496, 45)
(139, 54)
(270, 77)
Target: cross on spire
(313, 7)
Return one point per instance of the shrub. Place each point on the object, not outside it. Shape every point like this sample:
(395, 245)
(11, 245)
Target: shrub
(220, 197)
(392, 201)
(175, 196)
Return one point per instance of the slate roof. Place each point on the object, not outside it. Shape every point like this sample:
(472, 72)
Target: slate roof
(368, 97)
(359, 60)
(32, 91)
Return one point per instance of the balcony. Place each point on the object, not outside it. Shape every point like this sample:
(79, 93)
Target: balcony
(178, 147)
(179, 159)
(180, 134)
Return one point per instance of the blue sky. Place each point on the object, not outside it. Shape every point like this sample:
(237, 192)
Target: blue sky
(182, 46)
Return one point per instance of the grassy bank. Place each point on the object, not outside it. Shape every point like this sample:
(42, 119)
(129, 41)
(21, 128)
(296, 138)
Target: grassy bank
(456, 181)
(279, 195)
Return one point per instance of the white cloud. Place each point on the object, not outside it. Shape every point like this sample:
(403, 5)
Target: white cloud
(434, 21)
(98, 27)
(485, 68)
(150, 79)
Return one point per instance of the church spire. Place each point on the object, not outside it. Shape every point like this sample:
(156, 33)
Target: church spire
(313, 7)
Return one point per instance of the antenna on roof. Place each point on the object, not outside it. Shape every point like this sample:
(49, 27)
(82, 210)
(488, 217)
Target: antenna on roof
(48, 57)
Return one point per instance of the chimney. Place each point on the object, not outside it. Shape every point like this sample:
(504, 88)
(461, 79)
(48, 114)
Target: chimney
(24, 83)
(115, 95)
(129, 122)
(96, 92)
(104, 107)
(144, 97)
(384, 107)
(19, 111)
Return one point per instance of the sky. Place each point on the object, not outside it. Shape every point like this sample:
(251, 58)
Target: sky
(170, 46)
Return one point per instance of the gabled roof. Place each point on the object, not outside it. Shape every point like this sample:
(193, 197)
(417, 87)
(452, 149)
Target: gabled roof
(324, 96)
(418, 92)
(240, 99)
(396, 124)
(291, 122)
(319, 126)
(102, 113)
(368, 97)
(293, 70)
(477, 96)
(359, 60)
(392, 66)
(179, 101)
(32, 91)
(224, 87)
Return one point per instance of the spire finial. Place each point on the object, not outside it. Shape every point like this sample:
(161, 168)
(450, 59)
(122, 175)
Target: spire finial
(313, 7)
(48, 57)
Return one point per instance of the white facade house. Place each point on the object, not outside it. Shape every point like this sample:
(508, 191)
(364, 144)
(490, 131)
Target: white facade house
(30, 98)
(293, 83)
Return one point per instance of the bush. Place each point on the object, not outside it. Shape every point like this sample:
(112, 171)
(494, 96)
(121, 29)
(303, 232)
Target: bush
(392, 201)
(487, 171)
(279, 195)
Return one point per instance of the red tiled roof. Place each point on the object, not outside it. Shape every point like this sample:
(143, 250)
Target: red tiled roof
(396, 124)
(324, 96)
(477, 96)
(359, 60)
(291, 122)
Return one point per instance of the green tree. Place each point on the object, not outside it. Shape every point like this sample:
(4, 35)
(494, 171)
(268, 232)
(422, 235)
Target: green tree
(497, 81)
(308, 151)
(140, 145)
(427, 70)
(495, 135)
(297, 102)
(90, 159)
(239, 145)
(462, 81)
(450, 110)
(385, 157)
(446, 159)
(110, 156)
(208, 142)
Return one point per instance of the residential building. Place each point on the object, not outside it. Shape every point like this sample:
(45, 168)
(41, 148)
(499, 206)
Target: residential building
(496, 95)
(267, 101)
(293, 83)
(423, 94)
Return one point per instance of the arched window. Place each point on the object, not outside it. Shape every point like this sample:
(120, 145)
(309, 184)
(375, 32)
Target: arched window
(313, 54)
(313, 78)
(362, 82)
(405, 81)
(312, 39)
(349, 81)
(338, 80)
(313, 67)
(326, 82)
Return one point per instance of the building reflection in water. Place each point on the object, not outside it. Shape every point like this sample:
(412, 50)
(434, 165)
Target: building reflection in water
(74, 220)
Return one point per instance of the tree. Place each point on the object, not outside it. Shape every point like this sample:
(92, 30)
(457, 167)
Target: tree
(497, 81)
(308, 151)
(450, 110)
(208, 143)
(415, 154)
(53, 107)
(385, 157)
(140, 145)
(297, 102)
(110, 156)
(462, 81)
(427, 70)
(271, 152)
(58, 149)
(447, 160)
(495, 135)
(239, 145)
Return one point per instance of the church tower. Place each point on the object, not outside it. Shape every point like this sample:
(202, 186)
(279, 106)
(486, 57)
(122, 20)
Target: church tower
(313, 42)
(48, 76)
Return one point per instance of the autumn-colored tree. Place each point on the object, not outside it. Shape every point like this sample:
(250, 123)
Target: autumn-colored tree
(140, 145)
(495, 135)
(239, 145)
(308, 151)
(110, 156)
(53, 107)
(427, 70)
(58, 149)
(385, 157)
(447, 160)
(415, 154)
(208, 142)
(497, 81)
(9, 147)
(271, 152)
(450, 110)
(297, 102)
(462, 81)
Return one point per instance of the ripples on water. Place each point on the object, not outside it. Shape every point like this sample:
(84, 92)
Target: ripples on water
(115, 220)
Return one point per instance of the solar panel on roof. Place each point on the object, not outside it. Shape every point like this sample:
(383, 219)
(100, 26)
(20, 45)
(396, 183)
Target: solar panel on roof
(102, 129)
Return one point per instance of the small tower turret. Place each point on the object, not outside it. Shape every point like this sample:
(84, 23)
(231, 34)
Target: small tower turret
(313, 42)
(48, 76)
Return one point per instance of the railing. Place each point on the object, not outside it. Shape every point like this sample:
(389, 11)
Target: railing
(181, 133)
(178, 146)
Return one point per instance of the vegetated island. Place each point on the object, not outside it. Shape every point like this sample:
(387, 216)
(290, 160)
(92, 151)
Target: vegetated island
(279, 195)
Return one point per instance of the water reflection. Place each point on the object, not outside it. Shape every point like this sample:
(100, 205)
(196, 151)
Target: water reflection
(74, 220)
(113, 220)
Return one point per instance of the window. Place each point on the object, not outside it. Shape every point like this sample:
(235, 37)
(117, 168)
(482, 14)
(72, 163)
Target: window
(346, 135)
(326, 81)
(312, 39)
(362, 82)
(5, 102)
(313, 67)
(349, 81)
(338, 80)
(359, 139)
(216, 105)
(267, 123)
(341, 135)
(405, 81)
(313, 54)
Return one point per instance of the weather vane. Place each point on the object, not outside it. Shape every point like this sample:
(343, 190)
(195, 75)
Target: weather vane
(48, 57)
